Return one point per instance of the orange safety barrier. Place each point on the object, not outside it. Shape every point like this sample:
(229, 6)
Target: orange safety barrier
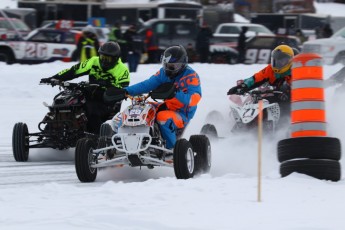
(308, 115)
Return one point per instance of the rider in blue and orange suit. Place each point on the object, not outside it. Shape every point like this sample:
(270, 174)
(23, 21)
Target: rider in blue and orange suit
(174, 113)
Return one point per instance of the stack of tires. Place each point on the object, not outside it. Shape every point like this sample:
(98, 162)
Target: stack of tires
(314, 156)
(309, 151)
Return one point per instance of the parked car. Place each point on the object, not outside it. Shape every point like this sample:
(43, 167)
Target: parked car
(331, 49)
(233, 30)
(41, 45)
(175, 31)
(101, 32)
(259, 48)
(13, 29)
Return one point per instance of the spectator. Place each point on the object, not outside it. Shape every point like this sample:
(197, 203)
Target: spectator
(191, 53)
(299, 33)
(116, 35)
(241, 45)
(134, 47)
(151, 43)
(88, 44)
(203, 42)
(327, 31)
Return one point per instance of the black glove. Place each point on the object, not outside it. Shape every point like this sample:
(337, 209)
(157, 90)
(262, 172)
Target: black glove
(239, 89)
(114, 94)
(46, 80)
(50, 80)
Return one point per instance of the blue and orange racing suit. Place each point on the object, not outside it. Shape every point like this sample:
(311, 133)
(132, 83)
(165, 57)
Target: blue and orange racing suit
(181, 108)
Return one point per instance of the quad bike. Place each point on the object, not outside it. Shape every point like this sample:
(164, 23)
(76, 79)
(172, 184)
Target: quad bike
(132, 138)
(244, 111)
(61, 127)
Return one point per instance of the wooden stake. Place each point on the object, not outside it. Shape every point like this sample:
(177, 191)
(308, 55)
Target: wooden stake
(259, 148)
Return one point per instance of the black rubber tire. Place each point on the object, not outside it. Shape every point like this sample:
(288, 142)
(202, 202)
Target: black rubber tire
(309, 147)
(182, 150)
(210, 131)
(320, 169)
(82, 160)
(20, 142)
(201, 145)
(105, 130)
(7, 56)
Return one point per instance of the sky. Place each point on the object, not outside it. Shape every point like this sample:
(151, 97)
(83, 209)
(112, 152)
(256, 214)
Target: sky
(45, 193)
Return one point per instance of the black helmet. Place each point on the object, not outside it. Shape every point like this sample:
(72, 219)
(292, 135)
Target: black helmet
(174, 60)
(109, 54)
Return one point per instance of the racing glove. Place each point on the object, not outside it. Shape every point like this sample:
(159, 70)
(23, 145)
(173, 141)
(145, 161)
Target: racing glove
(238, 89)
(50, 80)
(46, 80)
(114, 94)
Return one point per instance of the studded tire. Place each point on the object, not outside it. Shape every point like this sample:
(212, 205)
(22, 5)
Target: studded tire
(20, 142)
(83, 160)
(210, 131)
(184, 161)
(201, 145)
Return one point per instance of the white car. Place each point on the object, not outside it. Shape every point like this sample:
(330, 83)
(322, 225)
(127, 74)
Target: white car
(41, 45)
(331, 49)
(234, 30)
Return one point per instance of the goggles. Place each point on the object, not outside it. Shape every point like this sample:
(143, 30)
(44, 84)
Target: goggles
(105, 58)
(280, 59)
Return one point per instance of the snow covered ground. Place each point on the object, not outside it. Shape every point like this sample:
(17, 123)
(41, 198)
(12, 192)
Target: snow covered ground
(44, 193)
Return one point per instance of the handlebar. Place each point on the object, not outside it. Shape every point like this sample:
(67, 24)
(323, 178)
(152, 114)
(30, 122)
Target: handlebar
(70, 85)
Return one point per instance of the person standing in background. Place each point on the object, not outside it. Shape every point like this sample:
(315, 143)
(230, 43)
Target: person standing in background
(116, 35)
(203, 43)
(326, 31)
(134, 49)
(151, 42)
(88, 44)
(241, 45)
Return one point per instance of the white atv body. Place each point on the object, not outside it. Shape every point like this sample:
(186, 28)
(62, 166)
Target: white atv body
(133, 138)
(245, 111)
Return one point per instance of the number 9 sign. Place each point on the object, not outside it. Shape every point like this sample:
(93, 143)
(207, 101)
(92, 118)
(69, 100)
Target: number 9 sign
(260, 56)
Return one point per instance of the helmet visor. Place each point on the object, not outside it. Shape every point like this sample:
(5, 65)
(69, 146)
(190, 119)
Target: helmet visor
(280, 59)
(107, 61)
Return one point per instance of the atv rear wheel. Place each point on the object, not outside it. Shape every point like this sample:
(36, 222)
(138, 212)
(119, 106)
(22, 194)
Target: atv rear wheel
(184, 161)
(20, 142)
(84, 158)
(201, 145)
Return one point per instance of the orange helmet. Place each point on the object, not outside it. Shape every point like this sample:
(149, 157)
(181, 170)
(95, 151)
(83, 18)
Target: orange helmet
(281, 58)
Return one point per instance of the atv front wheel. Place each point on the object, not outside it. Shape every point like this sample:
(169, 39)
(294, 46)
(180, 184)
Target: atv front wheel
(210, 131)
(84, 158)
(184, 161)
(106, 130)
(201, 145)
(20, 142)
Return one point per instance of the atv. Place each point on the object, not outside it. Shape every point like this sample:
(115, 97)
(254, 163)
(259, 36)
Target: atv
(244, 111)
(61, 127)
(132, 138)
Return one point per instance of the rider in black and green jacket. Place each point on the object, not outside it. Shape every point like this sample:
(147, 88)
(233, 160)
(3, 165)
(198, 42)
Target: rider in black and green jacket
(108, 71)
